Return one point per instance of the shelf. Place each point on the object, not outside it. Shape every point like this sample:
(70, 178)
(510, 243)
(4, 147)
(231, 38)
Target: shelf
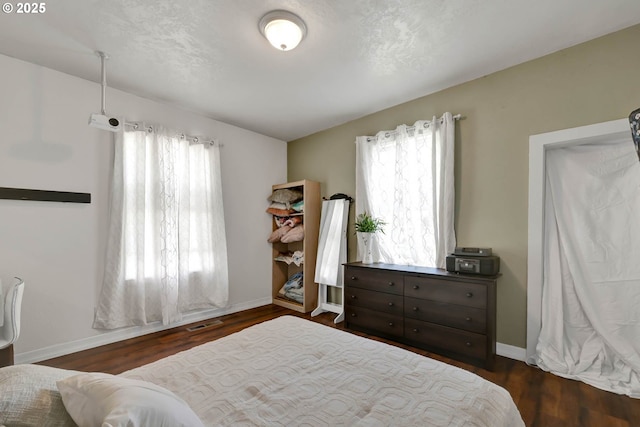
(44, 195)
(288, 215)
(289, 263)
(281, 270)
(289, 258)
(288, 303)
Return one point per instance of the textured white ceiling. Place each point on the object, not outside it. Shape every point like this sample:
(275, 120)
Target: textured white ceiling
(360, 56)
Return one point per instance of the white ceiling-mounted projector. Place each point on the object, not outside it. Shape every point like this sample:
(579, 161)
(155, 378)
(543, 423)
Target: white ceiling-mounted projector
(102, 120)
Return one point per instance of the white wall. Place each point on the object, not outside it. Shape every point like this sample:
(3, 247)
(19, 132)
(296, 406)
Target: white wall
(58, 248)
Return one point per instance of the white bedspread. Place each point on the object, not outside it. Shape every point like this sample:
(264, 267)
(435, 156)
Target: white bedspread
(292, 372)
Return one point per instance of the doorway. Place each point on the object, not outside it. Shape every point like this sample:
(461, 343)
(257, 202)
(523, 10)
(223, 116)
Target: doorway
(545, 271)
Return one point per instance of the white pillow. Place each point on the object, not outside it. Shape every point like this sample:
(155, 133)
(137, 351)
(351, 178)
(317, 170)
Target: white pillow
(98, 399)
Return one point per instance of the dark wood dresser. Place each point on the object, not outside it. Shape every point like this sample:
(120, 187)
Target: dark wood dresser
(446, 313)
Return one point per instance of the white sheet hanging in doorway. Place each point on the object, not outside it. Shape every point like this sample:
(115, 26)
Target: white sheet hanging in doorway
(591, 290)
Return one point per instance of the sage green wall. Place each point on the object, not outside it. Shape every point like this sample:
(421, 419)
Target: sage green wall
(589, 83)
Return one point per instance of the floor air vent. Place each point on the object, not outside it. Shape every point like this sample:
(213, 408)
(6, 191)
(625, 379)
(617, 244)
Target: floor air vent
(204, 325)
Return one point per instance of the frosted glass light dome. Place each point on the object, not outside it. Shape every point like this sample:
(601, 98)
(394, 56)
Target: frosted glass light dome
(283, 29)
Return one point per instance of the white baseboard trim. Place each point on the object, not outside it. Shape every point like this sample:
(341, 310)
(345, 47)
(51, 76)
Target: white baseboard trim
(511, 351)
(57, 350)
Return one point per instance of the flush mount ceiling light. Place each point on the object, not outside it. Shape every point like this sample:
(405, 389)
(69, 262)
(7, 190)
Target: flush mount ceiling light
(283, 29)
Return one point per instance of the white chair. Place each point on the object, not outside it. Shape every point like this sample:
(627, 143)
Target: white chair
(10, 329)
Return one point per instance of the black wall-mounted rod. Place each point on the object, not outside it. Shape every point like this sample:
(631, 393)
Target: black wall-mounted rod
(44, 195)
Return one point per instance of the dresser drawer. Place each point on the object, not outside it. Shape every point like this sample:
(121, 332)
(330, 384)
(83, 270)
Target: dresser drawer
(377, 301)
(460, 342)
(375, 280)
(381, 323)
(448, 291)
(456, 316)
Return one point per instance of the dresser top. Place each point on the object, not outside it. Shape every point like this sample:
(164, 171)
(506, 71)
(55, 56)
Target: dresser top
(414, 269)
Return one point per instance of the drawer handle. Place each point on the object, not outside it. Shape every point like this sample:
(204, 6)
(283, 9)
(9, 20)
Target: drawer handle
(469, 294)
(416, 287)
(390, 323)
(415, 330)
(354, 315)
(391, 283)
(415, 309)
(354, 278)
(353, 297)
(468, 319)
(468, 344)
(390, 304)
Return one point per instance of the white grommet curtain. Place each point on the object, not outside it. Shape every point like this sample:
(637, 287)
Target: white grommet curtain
(405, 177)
(167, 250)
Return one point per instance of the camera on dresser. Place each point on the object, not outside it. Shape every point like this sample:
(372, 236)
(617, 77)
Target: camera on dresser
(447, 313)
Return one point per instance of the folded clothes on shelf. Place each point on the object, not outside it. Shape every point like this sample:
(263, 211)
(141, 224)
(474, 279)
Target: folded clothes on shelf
(296, 234)
(295, 294)
(296, 258)
(293, 289)
(287, 196)
(295, 281)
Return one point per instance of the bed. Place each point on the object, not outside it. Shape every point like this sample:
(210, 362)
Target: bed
(284, 372)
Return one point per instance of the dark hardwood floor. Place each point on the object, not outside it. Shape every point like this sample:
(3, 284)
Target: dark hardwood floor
(544, 400)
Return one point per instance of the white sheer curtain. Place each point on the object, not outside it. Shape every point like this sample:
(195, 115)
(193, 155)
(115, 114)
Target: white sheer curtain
(167, 250)
(405, 177)
(591, 286)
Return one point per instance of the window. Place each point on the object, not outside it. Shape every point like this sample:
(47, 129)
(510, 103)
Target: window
(405, 177)
(167, 247)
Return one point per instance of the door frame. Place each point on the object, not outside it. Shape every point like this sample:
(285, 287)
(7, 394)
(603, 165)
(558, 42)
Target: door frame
(607, 132)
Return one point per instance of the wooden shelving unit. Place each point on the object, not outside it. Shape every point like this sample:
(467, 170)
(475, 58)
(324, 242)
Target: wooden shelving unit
(282, 271)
